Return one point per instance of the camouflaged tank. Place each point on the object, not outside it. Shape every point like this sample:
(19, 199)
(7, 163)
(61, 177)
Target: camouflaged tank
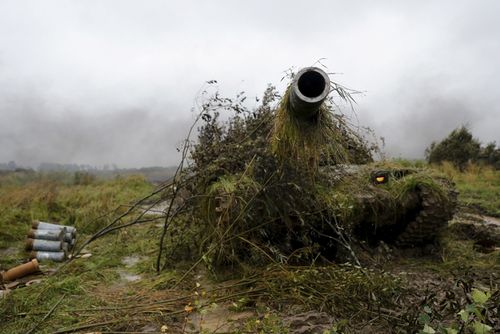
(406, 207)
(402, 206)
(267, 186)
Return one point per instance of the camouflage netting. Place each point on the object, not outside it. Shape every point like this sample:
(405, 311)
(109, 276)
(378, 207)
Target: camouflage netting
(264, 187)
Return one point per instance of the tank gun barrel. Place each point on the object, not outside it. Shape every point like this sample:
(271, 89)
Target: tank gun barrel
(309, 89)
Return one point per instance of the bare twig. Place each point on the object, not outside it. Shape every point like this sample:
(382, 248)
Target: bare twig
(175, 189)
(79, 328)
(47, 315)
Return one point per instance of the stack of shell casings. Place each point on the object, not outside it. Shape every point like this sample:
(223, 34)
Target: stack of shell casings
(48, 241)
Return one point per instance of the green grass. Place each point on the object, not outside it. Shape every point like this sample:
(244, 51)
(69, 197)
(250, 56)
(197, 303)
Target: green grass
(83, 283)
(28, 197)
(294, 139)
(456, 257)
(86, 283)
(479, 187)
(97, 281)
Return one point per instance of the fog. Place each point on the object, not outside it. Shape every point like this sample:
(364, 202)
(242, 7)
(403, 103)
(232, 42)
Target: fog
(102, 82)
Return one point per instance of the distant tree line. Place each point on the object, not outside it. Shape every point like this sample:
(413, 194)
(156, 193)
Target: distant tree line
(10, 166)
(461, 148)
(84, 174)
(56, 167)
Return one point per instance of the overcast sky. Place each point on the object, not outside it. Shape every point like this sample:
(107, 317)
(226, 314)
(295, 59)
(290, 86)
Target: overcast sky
(101, 82)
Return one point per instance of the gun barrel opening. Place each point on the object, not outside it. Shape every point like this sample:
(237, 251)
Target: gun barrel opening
(309, 90)
(311, 84)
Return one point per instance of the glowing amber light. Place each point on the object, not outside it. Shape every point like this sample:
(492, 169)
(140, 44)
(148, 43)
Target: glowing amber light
(380, 179)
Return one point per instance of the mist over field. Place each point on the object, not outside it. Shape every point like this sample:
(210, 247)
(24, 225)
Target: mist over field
(114, 82)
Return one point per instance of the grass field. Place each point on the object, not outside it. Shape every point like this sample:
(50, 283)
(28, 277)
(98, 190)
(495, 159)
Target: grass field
(117, 290)
(479, 187)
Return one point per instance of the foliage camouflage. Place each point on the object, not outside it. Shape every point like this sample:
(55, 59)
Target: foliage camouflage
(264, 186)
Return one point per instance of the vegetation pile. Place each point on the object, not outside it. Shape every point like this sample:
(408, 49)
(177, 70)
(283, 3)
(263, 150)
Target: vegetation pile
(254, 184)
(266, 187)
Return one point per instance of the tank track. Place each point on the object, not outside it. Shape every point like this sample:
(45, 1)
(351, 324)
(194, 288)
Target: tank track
(432, 218)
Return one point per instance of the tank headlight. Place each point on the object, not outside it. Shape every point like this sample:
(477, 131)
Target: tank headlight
(380, 177)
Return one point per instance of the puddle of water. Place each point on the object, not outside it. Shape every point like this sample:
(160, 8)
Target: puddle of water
(130, 261)
(491, 220)
(486, 220)
(158, 209)
(129, 277)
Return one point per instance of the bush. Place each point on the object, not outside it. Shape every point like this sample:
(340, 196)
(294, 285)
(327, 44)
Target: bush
(461, 148)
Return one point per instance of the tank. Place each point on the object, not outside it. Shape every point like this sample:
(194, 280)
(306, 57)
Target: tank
(405, 207)
(284, 182)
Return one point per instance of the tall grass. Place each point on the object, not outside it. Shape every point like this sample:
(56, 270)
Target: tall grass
(479, 186)
(24, 198)
(81, 284)
(305, 141)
